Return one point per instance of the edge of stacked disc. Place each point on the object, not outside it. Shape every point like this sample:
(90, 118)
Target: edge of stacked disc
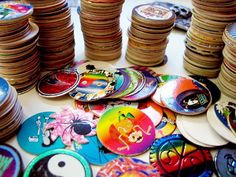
(19, 62)
(150, 26)
(100, 24)
(227, 75)
(56, 33)
(11, 113)
(204, 44)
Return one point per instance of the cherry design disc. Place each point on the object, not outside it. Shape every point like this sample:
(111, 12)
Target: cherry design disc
(125, 130)
(57, 83)
(173, 156)
(127, 167)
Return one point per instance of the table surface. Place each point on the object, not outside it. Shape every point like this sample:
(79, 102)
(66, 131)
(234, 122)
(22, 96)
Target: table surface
(32, 103)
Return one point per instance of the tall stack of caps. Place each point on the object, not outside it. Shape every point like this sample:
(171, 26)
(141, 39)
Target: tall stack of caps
(11, 113)
(19, 62)
(227, 75)
(56, 33)
(150, 27)
(204, 44)
(100, 24)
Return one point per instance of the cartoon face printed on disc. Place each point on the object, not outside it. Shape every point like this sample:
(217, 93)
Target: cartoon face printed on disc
(225, 161)
(167, 125)
(14, 10)
(94, 85)
(125, 130)
(174, 156)
(4, 90)
(186, 96)
(33, 136)
(58, 163)
(94, 152)
(127, 167)
(11, 164)
(57, 83)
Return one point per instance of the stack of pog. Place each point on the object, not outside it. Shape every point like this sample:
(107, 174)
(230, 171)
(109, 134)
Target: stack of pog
(19, 62)
(227, 75)
(204, 44)
(100, 23)
(151, 25)
(11, 113)
(56, 41)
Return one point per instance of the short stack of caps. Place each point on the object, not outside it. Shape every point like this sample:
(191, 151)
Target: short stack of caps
(11, 113)
(227, 75)
(56, 41)
(100, 24)
(19, 62)
(204, 44)
(150, 27)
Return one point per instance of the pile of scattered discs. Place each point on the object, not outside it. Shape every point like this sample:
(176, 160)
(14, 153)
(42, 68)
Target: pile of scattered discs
(56, 41)
(150, 27)
(11, 113)
(204, 44)
(100, 24)
(19, 62)
(227, 75)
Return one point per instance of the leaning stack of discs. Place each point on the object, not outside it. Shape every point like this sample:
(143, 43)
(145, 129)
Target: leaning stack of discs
(204, 44)
(56, 41)
(11, 113)
(151, 25)
(19, 62)
(227, 75)
(100, 24)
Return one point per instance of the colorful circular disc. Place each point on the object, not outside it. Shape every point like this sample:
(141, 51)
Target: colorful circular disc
(215, 91)
(33, 136)
(125, 130)
(14, 11)
(174, 156)
(134, 81)
(58, 162)
(186, 96)
(225, 161)
(152, 110)
(98, 108)
(148, 89)
(94, 152)
(127, 167)
(94, 85)
(126, 82)
(11, 164)
(4, 90)
(217, 117)
(57, 83)
(161, 80)
(167, 125)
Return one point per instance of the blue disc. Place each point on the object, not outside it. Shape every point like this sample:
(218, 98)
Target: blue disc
(95, 152)
(58, 162)
(225, 162)
(33, 137)
(4, 90)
